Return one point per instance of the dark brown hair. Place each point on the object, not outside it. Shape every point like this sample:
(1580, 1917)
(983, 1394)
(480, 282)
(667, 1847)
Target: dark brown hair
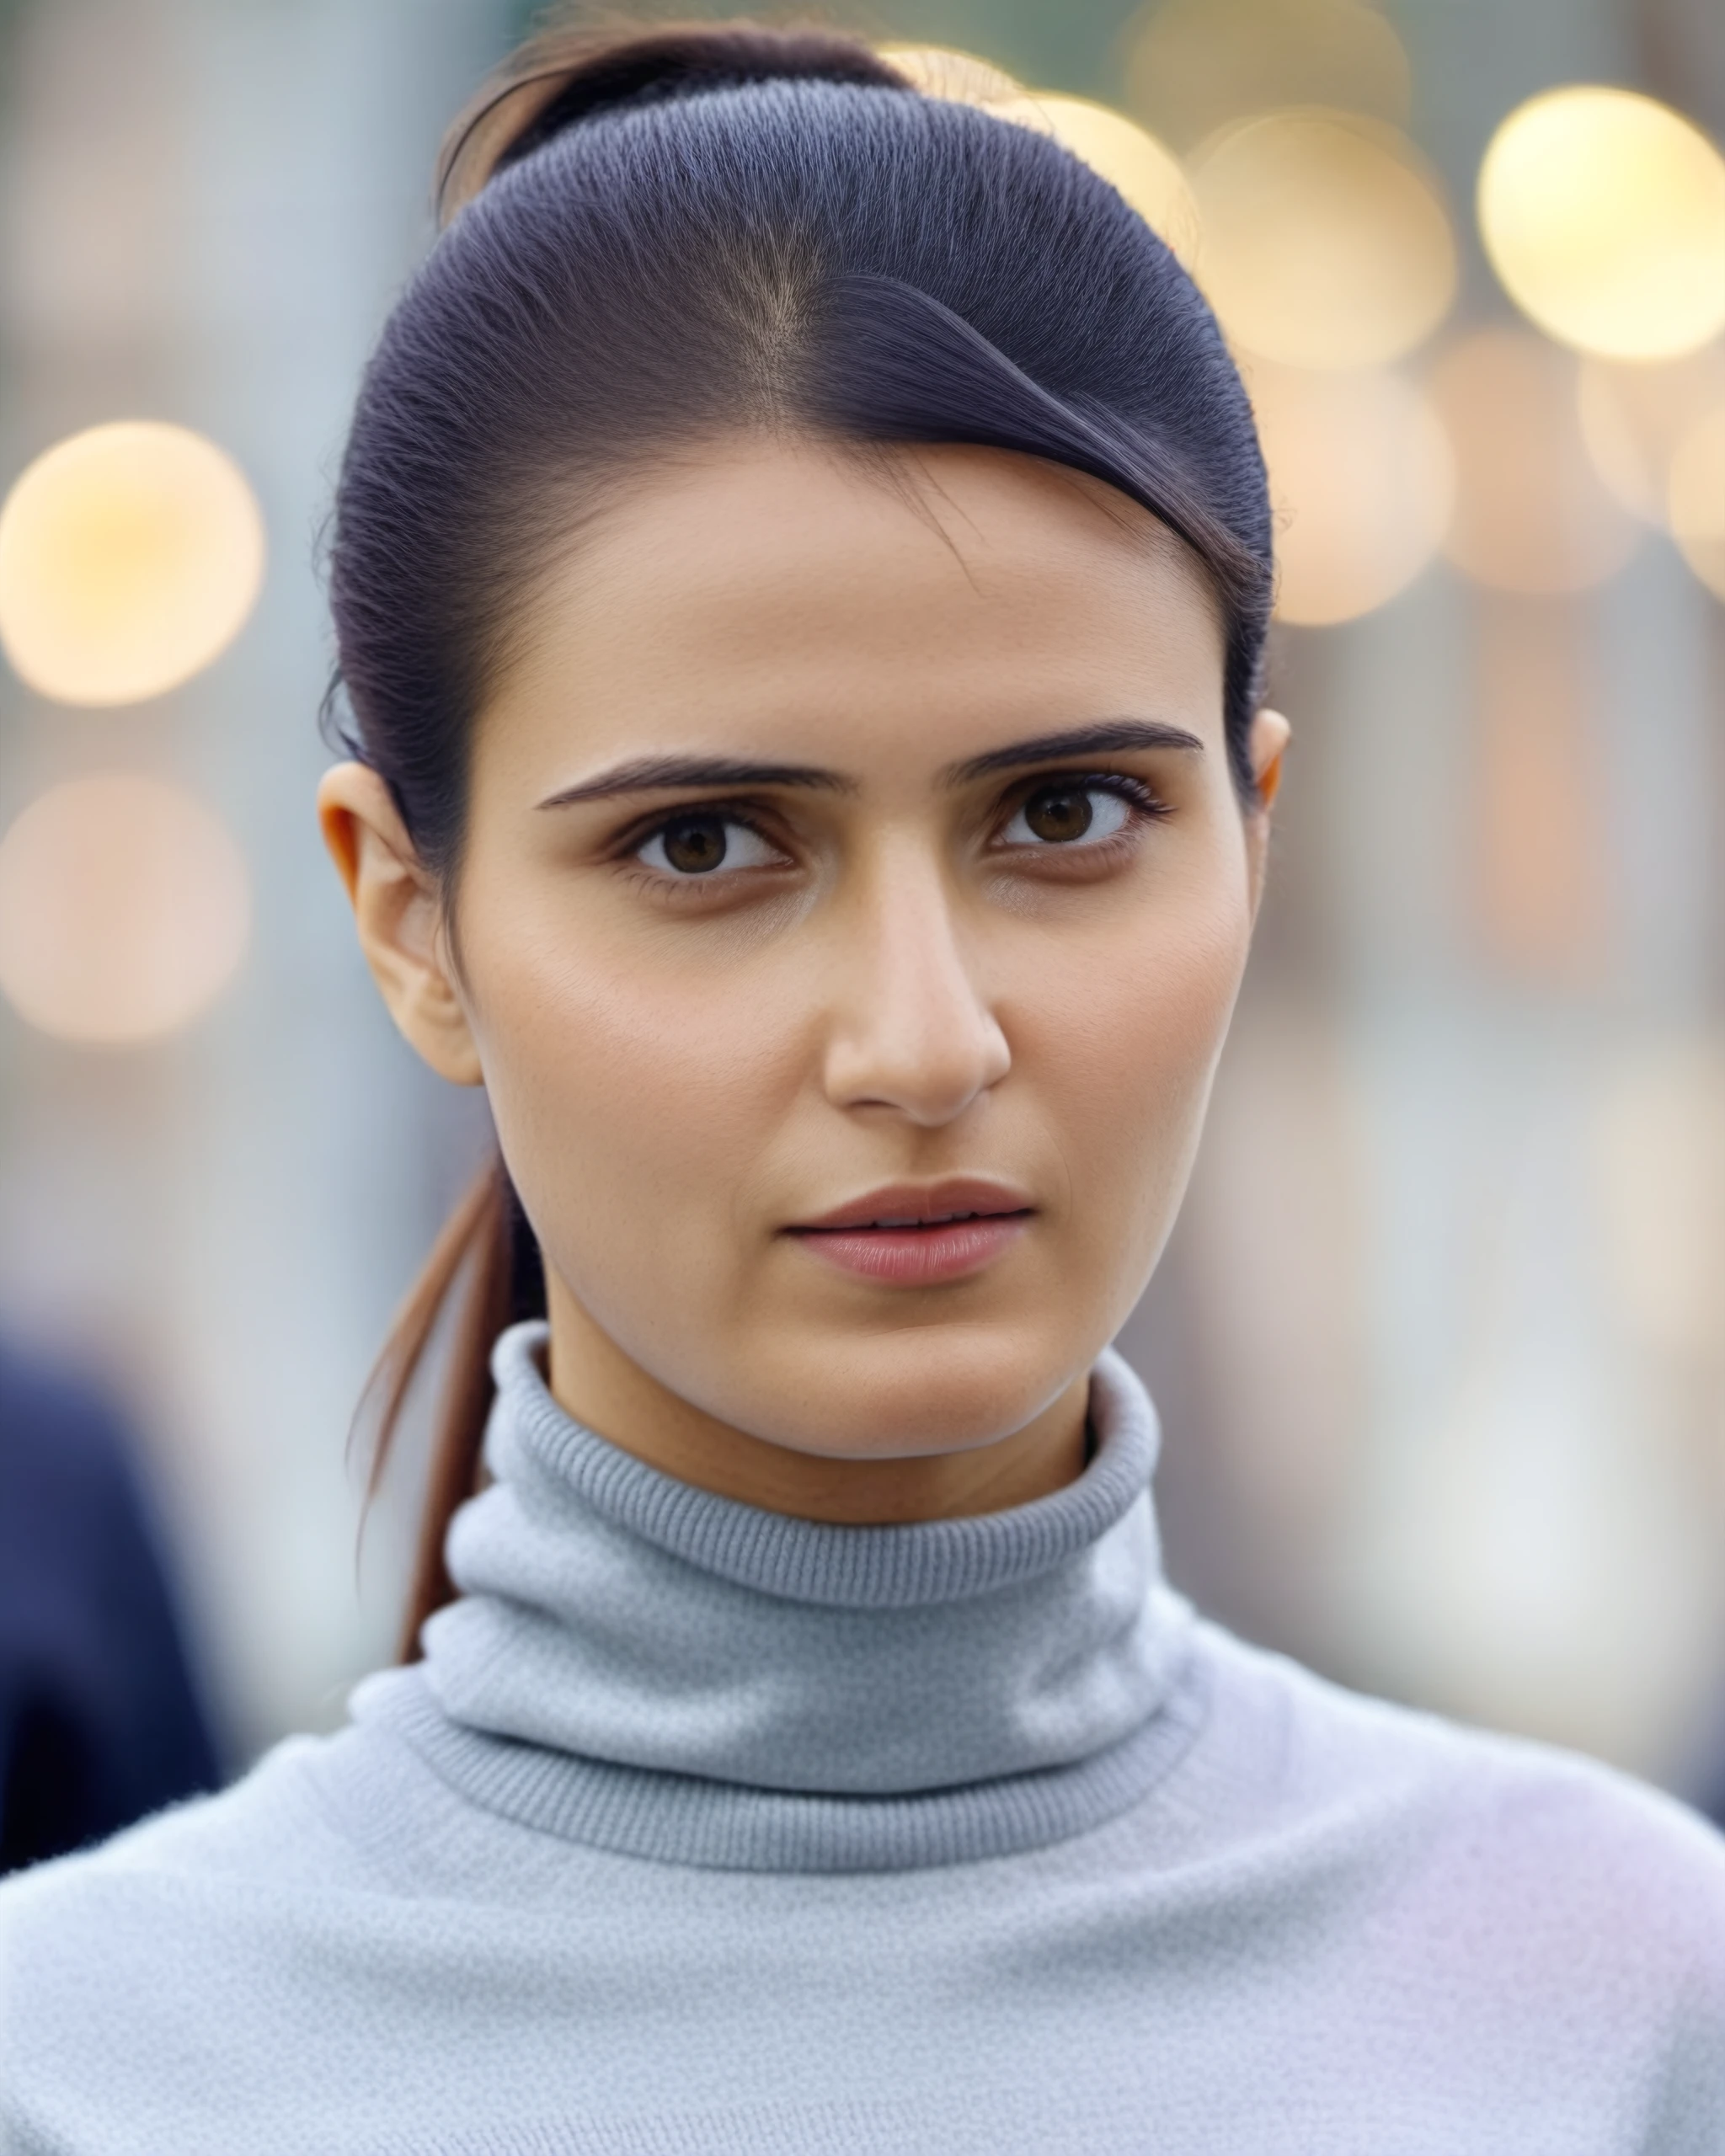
(657, 237)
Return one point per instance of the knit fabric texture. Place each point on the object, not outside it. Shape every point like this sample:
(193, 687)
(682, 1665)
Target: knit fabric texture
(703, 1829)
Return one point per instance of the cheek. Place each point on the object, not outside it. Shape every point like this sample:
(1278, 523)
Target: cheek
(628, 1096)
(1126, 1038)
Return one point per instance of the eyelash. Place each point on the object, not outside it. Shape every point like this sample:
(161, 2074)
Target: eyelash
(1137, 795)
(1146, 804)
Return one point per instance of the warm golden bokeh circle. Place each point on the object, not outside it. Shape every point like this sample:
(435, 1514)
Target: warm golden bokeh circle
(124, 909)
(1325, 241)
(1603, 213)
(1696, 500)
(1132, 161)
(1532, 514)
(130, 556)
(1361, 482)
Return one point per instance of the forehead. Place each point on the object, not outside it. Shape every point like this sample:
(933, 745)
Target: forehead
(915, 605)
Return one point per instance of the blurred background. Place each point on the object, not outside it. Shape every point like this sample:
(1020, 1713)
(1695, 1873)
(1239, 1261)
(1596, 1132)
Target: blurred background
(1440, 1341)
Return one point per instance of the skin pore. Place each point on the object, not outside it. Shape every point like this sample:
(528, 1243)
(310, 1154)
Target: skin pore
(847, 837)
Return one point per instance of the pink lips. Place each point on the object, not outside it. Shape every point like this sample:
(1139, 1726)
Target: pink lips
(920, 1237)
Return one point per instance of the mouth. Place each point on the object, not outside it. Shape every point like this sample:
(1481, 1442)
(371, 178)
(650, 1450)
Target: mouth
(907, 1235)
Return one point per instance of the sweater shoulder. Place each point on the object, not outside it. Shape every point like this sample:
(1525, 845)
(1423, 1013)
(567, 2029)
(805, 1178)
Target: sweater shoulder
(1289, 1733)
(1515, 1838)
(135, 1973)
(272, 1828)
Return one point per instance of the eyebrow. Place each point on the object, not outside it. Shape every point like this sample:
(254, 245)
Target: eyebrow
(1110, 736)
(657, 774)
(653, 774)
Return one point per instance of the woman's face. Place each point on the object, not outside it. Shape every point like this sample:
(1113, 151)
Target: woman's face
(853, 898)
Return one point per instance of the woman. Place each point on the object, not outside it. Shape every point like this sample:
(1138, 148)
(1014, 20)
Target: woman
(801, 572)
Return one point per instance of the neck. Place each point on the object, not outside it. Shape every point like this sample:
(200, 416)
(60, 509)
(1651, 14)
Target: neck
(593, 1380)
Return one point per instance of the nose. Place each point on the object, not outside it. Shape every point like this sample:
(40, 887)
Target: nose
(911, 1030)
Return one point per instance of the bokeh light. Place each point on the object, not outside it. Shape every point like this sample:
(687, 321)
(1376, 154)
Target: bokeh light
(1326, 243)
(939, 71)
(1193, 64)
(1602, 213)
(124, 909)
(130, 556)
(1633, 417)
(1532, 514)
(1362, 482)
(1696, 500)
(1135, 163)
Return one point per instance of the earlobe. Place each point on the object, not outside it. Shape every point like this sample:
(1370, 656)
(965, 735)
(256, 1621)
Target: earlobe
(1267, 745)
(398, 914)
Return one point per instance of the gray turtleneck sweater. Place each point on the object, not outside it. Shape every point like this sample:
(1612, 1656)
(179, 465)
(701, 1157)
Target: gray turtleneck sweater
(703, 1832)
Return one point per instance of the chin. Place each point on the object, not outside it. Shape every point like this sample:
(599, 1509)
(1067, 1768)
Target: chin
(909, 1394)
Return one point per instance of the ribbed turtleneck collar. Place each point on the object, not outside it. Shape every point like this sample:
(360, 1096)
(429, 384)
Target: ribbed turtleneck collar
(641, 1664)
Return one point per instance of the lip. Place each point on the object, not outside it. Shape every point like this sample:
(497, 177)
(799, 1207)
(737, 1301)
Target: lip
(920, 1235)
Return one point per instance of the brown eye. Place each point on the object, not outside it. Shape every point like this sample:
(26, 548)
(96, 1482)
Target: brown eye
(1067, 812)
(701, 841)
(694, 844)
(1059, 814)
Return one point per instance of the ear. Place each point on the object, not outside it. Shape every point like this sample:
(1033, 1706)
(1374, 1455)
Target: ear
(399, 912)
(1266, 745)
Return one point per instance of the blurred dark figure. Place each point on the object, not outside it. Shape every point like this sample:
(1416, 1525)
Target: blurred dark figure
(100, 1720)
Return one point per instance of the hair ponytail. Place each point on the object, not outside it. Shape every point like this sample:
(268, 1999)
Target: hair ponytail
(484, 1273)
